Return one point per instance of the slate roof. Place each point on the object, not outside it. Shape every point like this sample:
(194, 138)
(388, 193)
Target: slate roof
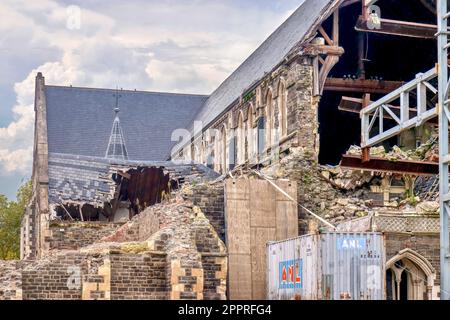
(296, 29)
(79, 120)
(88, 179)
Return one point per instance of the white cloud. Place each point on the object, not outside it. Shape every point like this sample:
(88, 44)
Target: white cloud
(175, 46)
(17, 160)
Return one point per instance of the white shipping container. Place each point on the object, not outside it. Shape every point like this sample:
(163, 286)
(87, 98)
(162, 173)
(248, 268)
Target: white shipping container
(328, 266)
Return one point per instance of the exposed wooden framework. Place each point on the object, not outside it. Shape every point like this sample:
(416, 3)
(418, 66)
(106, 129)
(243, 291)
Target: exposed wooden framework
(361, 85)
(327, 56)
(399, 28)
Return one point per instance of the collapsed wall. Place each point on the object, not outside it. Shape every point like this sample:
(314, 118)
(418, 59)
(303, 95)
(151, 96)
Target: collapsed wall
(169, 251)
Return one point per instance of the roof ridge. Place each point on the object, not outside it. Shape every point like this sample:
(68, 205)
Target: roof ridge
(285, 38)
(128, 90)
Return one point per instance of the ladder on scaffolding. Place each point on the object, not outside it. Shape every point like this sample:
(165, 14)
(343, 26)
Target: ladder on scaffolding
(406, 113)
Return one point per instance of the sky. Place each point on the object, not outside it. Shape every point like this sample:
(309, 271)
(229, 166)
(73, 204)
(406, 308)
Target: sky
(184, 46)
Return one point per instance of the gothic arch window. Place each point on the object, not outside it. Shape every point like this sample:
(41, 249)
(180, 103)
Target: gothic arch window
(240, 134)
(251, 134)
(211, 147)
(203, 151)
(282, 108)
(261, 135)
(223, 149)
(409, 276)
(269, 115)
(196, 152)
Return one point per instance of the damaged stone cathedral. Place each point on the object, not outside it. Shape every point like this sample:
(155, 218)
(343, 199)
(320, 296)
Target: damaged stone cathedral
(146, 195)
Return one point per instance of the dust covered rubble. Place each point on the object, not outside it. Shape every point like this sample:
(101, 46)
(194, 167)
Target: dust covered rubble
(428, 151)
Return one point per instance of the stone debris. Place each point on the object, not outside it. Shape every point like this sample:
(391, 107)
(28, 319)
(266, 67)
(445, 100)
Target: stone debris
(344, 178)
(428, 207)
(428, 151)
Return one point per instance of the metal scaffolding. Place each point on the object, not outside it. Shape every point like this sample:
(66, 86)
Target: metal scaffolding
(444, 160)
(404, 115)
(396, 106)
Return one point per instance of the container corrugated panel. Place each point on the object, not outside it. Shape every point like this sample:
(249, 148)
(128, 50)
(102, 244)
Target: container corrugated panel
(352, 266)
(292, 269)
(334, 265)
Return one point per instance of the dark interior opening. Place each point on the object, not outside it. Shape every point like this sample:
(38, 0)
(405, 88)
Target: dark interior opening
(386, 57)
(404, 286)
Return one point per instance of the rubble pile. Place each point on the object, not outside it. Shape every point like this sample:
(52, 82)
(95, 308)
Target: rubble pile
(428, 151)
(348, 208)
(428, 207)
(345, 179)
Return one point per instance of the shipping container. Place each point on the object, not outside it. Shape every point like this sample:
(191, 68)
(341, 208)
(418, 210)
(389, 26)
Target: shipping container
(327, 266)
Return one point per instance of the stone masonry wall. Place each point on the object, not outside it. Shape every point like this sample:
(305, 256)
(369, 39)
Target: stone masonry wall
(425, 244)
(210, 199)
(214, 275)
(57, 278)
(140, 277)
(74, 235)
(102, 273)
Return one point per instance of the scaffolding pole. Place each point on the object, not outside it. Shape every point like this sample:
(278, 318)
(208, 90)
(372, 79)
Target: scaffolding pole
(444, 159)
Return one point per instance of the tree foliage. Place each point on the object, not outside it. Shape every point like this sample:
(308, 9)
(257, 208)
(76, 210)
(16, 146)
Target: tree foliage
(11, 213)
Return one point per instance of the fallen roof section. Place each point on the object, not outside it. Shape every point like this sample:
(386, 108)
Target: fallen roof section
(90, 180)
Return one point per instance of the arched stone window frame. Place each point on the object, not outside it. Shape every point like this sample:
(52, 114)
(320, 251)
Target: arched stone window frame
(240, 132)
(210, 149)
(269, 117)
(197, 152)
(251, 132)
(282, 107)
(421, 263)
(222, 147)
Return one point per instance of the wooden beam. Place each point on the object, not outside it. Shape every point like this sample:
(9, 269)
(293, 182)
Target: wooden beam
(348, 3)
(365, 154)
(336, 27)
(361, 85)
(316, 49)
(80, 208)
(124, 174)
(325, 36)
(399, 28)
(369, 2)
(355, 105)
(330, 62)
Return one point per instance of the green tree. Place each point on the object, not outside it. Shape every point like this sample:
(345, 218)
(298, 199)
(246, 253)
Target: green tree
(11, 213)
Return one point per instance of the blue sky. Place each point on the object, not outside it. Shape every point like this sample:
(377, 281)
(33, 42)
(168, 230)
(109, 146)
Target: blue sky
(157, 45)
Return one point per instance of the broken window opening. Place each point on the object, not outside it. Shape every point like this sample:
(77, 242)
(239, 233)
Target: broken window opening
(374, 64)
